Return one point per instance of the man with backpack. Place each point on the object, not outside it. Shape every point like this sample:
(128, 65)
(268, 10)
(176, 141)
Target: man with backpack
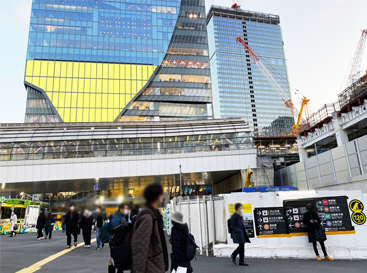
(148, 243)
(179, 240)
(238, 234)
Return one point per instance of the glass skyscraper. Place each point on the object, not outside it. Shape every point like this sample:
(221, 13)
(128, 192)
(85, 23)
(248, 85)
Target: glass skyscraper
(239, 87)
(117, 60)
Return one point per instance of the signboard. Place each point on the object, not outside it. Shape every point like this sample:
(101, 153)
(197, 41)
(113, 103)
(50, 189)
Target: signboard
(27, 202)
(248, 219)
(333, 213)
(12, 201)
(2, 199)
(270, 221)
(358, 217)
(268, 189)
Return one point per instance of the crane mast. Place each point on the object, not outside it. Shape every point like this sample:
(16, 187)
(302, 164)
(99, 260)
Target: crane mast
(287, 101)
(354, 73)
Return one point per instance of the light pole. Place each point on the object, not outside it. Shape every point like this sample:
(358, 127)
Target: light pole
(181, 191)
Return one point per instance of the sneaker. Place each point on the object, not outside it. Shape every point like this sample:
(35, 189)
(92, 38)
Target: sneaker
(88, 246)
(38, 239)
(85, 246)
(98, 248)
(75, 244)
(68, 246)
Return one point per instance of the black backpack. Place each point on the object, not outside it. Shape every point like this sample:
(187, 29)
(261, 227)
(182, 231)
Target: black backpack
(191, 247)
(120, 244)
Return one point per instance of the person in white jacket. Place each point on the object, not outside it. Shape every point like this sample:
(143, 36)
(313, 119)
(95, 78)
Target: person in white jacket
(13, 222)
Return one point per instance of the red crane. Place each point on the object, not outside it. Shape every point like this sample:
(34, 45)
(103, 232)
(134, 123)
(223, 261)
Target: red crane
(354, 73)
(284, 96)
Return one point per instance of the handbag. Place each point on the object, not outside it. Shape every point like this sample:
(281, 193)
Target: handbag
(320, 234)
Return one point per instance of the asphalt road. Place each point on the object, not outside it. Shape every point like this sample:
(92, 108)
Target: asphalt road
(24, 250)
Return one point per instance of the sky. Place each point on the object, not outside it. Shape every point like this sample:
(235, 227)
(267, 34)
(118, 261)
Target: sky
(320, 37)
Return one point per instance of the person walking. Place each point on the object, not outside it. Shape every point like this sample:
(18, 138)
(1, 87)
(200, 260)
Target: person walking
(41, 222)
(72, 228)
(119, 216)
(179, 234)
(99, 224)
(148, 243)
(134, 212)
(63, 226)
(239, 235)
(13, 224)
(312, 220)
(86, 224)
(49, 225)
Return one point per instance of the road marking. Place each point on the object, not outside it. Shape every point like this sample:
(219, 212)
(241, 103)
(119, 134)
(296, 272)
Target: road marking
(38, 265)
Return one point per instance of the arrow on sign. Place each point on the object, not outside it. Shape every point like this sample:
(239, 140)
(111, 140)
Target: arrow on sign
(290, 218)
(260, 220)
(320, 209)
(291, 225)
(259, 213)
(289, 210)
(260, 227)
(322, 223)
(319, 203)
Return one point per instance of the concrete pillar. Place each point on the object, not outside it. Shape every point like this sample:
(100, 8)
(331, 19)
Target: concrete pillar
(301, 151)
(340, 134)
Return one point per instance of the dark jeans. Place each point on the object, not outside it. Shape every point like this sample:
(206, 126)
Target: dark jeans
(39, 233)
(240, 250)
(87, 234)
(49, 233)
(68, 235)
(322, 247)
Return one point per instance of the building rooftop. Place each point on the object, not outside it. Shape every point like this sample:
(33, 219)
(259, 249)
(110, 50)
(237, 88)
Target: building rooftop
(243, 15)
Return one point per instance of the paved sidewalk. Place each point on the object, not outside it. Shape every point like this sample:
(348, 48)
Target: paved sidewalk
(24, 250)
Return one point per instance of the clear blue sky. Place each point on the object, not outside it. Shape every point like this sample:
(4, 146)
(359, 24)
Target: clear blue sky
(320, 38)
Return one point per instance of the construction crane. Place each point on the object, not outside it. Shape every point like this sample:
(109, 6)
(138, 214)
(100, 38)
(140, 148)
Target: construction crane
(284, 96)
(354, 73)
(237, 4)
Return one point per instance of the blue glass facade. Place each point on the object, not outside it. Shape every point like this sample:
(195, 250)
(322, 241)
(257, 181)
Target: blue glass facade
(240, 89)
(87, 60)
(113, 31)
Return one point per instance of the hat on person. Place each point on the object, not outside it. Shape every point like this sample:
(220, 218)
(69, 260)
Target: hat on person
(177, 217)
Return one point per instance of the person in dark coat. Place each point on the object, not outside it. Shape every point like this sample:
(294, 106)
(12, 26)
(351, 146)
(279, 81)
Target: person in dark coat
(134, 212)
(99, 224)
(312, 220)
(72, 228)
(41, 222)
(239, 235)
(86, 224)
(50, 222)
(148, 243)
(178, 240)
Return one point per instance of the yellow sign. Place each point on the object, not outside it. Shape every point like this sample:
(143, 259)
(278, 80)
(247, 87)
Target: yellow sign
(358, 217)
(247, 208)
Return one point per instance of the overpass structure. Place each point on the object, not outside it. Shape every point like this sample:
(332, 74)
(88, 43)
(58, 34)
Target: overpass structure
(76, 157)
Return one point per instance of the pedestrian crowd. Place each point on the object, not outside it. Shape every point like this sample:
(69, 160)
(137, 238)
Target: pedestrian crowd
(137, 239)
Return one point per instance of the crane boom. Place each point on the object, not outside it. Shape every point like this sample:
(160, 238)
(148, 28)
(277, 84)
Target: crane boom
(287, 101)
(357, 60)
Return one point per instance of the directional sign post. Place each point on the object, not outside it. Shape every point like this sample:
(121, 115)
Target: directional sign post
(269, 221)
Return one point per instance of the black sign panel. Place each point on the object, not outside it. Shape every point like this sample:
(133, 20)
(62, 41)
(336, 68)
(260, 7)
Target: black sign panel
(249, 227)
(333, 213)
(269, 221)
